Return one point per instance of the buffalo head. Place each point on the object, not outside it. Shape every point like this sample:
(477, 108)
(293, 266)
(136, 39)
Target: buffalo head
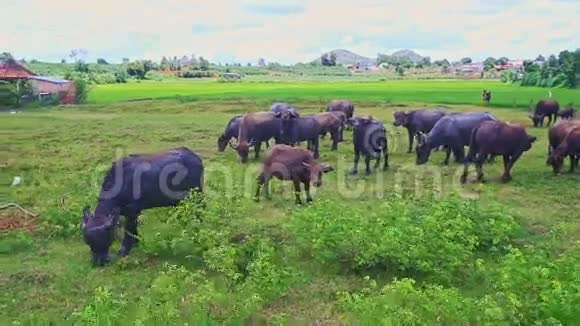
(243, 149)
(555, 159)
(423, 149)
(537, 119)
(98, 233)
(316, 170)
(222, 143)
(401, 118)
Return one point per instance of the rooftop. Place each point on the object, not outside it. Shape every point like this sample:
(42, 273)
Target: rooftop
(53, 80)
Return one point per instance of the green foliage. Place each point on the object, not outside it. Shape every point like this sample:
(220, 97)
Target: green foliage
(403, 302)
(103, 309)
(555, 72)
(439, 238)
(466, 60)
(196, 74)
(16, 241)
(83, 88)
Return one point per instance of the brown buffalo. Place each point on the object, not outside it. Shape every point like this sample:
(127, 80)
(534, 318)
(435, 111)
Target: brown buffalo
(254, 129)
(497, 138)
(545, 108)
(556, 136)
(341, 105)
(331, 122)
(291, 163)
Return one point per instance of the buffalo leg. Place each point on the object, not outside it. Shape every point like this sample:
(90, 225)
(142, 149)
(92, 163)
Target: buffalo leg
(356, 159)
(257, 147)
(386, 159)
(367, 164)
(263, 181)
(459, 154)
(307, 190)
(480, 159)
(335, 139)
(411, 139)
(297, 192)
(267, 144)
(447, 155)
(315, 147)
(507, 176)
(341, 134)
(323, 134)
(130, 237)
(573, 163)
(465, 171)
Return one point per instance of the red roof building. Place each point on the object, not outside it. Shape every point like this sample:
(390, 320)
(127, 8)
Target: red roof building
(12, 70)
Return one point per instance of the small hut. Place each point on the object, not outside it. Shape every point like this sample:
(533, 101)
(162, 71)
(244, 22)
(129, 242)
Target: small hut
(45, 86)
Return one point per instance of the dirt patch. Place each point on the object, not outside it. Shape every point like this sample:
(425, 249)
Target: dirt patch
(13, 219)
(29, 277)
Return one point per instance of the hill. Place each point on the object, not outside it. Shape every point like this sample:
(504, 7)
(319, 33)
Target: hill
(346, 57)
(409, 54)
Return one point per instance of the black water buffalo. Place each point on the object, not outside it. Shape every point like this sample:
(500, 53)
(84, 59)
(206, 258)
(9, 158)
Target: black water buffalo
(556, 136)
(545, 108)
(295, 129)
(280, 107)
(254, 129)
(347, 107)
(133, 184)
(567, 113)
(486, 96)
(231, 131)
(497, 138)
(291, 163)
(370, 141)
(454, 131)
(417, 121)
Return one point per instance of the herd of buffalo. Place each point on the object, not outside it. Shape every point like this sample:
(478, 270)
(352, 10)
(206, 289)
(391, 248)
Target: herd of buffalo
(138, 182)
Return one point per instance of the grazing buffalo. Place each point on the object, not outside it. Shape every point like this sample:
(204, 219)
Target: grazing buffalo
(231, 131)
(295, 129)
(545, 108)
(254, 129)
(556, 137)
(333, 123)
(567, 113)
(454, 131)
(497, 138)
(291, 163)
(370, 141)
(133, 184)
(282, 107)
(486, 96)
(347, 107)
(417, 121)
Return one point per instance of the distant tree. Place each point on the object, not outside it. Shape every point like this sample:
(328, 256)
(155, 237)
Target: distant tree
(425, 61)
(382, 58)
(249, 64)
(140, 68)
(552, 61)
(78, 54)
(102, 61)
(466, 60)
(328, 59)
(540, 58)
(81, 66)
(502, 61)
(193, 59)
(34, 61)
(164, 63)
(203, 64)
(126, 61)
(400, 70)
(443, 63)
(184, 60)
(261, 62)
(23, 61)
(6, 57)
(489, 63)
(63, 61)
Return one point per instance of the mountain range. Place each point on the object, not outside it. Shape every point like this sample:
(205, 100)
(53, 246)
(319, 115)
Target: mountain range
(346, 57)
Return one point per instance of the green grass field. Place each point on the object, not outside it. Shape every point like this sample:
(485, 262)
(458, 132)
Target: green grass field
(296, 265)
(403, 91)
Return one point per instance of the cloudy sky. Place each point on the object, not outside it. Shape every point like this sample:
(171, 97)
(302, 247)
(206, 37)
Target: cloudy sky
(287, 31)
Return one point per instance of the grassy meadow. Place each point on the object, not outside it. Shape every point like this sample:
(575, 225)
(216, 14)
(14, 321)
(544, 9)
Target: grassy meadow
(391, 91)
(407, 246)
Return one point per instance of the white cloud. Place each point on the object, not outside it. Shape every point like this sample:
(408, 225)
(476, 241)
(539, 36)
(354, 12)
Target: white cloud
(288, 31)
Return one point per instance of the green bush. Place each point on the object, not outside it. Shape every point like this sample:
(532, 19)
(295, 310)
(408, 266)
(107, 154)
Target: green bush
(438, 237)
(83, 88)
(15, 241)
(404, 303)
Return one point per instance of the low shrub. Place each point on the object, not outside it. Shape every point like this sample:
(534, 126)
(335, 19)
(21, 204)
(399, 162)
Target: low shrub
(15, 241)
(437, 237)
